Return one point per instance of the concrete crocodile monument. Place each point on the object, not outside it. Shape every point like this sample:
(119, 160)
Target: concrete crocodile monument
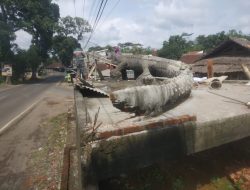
(161, 83)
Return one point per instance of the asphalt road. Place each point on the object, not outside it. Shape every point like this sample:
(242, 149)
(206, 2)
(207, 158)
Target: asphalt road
(21, 143)
(15, 100)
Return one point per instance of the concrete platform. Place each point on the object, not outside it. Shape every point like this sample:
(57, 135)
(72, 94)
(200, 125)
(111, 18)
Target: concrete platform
(123, 141)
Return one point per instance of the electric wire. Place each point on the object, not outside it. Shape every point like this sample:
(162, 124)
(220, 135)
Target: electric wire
(101, 13)
(100, 7)
(109, 13)
(95, 8)
(98, 17)
(91, 10)
(93, 25)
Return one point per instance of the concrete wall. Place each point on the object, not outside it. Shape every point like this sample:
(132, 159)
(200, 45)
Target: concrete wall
(218, 132)
(109, 157)
(121, 154)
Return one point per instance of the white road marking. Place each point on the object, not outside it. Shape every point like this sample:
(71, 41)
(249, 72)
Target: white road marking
(19, 117)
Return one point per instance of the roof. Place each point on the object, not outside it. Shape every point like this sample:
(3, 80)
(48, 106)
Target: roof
(191, 57)
(222, 64)
(242, 41)
(224, 47)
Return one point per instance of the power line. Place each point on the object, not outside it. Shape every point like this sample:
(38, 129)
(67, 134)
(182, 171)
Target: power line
(98, 12)
(93, 26)
(91, 10)
(98, 17)
(101, 13)
(116, 4)
(94, 23)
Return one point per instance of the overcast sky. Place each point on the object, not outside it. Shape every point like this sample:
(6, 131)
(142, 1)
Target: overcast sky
(150, 22)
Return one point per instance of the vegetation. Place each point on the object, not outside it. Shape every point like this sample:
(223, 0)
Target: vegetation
(178, 44)
(50, 34)
(33, 59)
(16, 15)
(20, 64)
(69, 32)
(63, 48)
(73, 26)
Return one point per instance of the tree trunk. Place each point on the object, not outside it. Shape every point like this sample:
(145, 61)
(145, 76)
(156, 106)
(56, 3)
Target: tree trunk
(8, 80)
(33, 76)
(7, 49)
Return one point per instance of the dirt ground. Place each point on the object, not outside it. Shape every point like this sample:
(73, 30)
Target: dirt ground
(223, 168)
(35, 145)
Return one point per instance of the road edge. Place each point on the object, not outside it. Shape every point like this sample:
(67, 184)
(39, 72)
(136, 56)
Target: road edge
(19, 117)
(3, 89)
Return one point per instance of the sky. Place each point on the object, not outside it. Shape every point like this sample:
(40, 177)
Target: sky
(150, 22)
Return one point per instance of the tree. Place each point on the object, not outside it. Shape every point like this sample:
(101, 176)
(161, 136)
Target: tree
(174, 47)
(73, 26)
(39, 19)
(177, 45)
(65, 42)
(33, 59)
(6, 37)
(8, 27)
(19, 65)
(63, 48)
(239, 34)
(207, 43)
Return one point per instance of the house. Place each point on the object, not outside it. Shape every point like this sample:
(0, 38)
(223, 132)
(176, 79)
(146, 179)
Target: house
(226, 59)
(191, 57)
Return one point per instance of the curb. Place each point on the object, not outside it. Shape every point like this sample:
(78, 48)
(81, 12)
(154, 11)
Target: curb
(19, 117)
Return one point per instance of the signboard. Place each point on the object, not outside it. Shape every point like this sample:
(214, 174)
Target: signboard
(7, 71)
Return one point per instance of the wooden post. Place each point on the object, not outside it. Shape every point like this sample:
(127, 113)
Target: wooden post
(98, 70)
(246, 71)
(210, 69)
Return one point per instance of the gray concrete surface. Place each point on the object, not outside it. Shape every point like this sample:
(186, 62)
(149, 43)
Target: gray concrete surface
(206, 106)
(219, 121)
